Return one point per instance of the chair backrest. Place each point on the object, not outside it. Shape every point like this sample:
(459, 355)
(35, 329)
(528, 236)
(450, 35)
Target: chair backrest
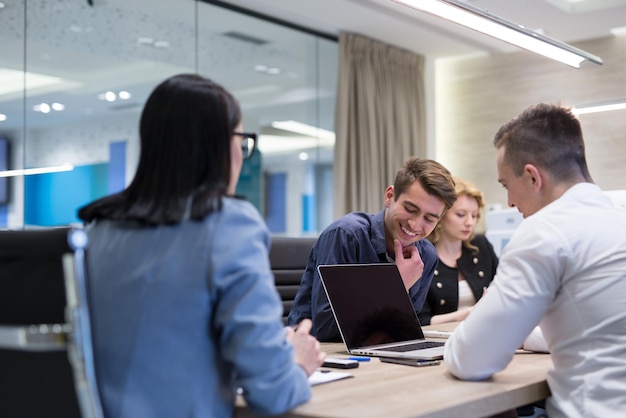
(288, 259)
(46, 363)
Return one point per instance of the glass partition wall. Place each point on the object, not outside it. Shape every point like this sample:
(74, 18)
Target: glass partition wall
(75, 75)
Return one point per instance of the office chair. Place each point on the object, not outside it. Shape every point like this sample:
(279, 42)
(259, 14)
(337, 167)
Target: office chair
(288, 259)
(46, 361)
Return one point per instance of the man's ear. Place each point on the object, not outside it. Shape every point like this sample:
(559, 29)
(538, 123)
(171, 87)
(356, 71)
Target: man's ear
(534, 175)
(388, 196)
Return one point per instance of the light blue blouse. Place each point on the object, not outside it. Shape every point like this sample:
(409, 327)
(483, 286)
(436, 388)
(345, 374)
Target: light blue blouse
(185, 314)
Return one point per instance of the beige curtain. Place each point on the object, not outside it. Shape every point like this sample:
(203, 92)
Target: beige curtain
(379, 121)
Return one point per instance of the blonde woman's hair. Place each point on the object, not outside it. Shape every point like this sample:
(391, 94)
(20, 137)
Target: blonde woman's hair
(462, 188)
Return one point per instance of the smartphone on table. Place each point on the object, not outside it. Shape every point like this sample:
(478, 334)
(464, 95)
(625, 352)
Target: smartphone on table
(410, 362)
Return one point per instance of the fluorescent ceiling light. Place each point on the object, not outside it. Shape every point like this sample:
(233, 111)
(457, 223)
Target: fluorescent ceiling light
(270, 144)
(620, 31)
(482, 21)
(303, 129)
(599, 108)
(12, 81)
(40, 170)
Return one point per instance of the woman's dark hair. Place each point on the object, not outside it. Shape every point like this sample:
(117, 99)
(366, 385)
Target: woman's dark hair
(184, 166)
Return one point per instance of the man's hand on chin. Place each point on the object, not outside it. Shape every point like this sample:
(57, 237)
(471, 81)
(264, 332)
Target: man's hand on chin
(409, 263)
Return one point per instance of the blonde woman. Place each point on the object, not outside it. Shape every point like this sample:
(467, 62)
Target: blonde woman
(466, 262)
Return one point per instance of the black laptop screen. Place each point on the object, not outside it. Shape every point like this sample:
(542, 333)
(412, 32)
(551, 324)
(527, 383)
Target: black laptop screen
(370, 304)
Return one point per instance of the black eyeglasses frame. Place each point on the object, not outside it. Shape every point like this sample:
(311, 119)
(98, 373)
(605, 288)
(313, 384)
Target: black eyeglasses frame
(245, 148)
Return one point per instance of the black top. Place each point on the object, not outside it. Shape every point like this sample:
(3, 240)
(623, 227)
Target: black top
(478, 268)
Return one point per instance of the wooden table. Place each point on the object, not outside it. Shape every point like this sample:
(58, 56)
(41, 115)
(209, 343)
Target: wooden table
(389, 390)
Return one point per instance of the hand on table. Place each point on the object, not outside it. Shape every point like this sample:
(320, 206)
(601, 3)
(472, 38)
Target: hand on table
(306, 347)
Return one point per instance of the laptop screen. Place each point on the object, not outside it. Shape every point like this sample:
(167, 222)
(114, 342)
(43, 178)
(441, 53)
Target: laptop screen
(370, 304)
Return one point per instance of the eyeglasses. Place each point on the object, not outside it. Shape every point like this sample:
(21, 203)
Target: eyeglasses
(247, 144)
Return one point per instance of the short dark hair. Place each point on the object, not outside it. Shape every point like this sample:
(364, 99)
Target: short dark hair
(432, 176)
(548, 136)
(184, 166)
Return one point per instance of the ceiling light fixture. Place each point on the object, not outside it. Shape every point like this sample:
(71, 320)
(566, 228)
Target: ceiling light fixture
(46, 108)
(40, 170)
(111, 96)
(304, 129)
(620, 31)
(273, 144)
(601, 107)
(482, 21)
(14, 81)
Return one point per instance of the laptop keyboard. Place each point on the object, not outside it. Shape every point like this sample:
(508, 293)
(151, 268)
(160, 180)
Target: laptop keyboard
(414, 346)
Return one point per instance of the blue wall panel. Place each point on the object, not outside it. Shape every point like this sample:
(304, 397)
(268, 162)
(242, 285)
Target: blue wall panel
(117, 166)
(275, 215)
(53, 199)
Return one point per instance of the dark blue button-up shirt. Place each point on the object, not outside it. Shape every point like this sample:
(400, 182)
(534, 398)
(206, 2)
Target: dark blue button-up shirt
(357, 237)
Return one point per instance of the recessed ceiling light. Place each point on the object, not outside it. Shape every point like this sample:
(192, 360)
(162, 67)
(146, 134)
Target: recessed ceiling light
(111, 96)
(273, 70)
(3, 117)
(46, 108)
(144, 40)
(161, 44)
(42, 107)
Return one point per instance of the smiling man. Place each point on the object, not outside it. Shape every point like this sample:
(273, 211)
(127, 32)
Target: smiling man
(421, 193)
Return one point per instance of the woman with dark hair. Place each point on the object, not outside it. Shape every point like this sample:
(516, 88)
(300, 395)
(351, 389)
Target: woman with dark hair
(185, 310)
(466, 262)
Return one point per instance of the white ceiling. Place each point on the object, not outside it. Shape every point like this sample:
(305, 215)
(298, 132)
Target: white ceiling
(95, 47)
(566, 20)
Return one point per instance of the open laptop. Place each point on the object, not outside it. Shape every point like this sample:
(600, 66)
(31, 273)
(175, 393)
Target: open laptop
(374, 313)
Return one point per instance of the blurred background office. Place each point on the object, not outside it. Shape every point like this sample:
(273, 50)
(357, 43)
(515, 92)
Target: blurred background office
(75, 74)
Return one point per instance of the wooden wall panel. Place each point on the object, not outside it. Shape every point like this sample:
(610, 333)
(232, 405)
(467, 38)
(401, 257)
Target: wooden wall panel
(475, 96)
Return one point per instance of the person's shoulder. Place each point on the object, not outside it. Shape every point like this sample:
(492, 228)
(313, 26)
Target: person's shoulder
(354, 227)
(240, 210)
(351, 222)
(357, 218)
(426, 247)
(480, 241)
(238, 205)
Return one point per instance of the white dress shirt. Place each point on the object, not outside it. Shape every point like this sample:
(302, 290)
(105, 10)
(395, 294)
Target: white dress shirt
(564, 269)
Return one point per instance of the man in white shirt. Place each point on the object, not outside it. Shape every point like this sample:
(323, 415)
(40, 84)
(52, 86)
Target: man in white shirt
(564, 269)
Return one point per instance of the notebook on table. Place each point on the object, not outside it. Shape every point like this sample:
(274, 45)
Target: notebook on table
(374, 313)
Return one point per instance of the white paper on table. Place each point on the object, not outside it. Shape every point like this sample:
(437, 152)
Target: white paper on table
(319, 377)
